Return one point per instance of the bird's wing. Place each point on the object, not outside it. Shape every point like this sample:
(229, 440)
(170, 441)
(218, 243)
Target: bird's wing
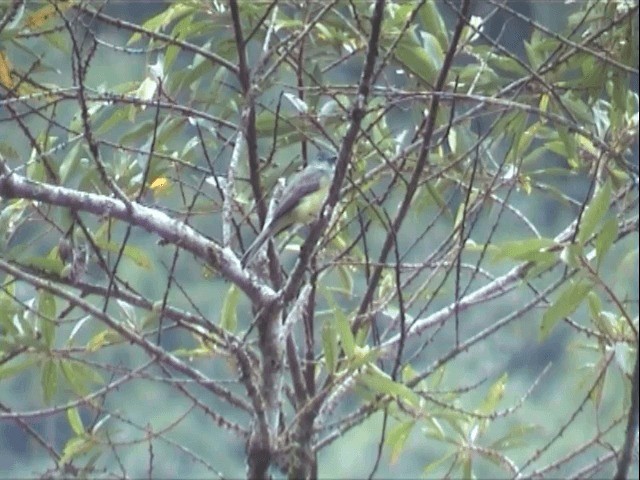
(299, 186)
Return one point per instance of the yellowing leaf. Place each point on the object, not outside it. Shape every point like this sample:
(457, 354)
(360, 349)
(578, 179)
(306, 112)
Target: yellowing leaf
(105, 337)
(161, 186)
(5, 71)
(41, 16)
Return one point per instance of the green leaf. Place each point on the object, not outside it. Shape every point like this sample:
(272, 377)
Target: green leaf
(532, 55)
(79, 376)
(528, 136)
(598, 389)
(12, 214)
(140, 133)
(436, 378)
(577, 106)
(532, 249)
(188, 78)
(345, 275)
(515, 437)
(8, 309)
(480, 76)
(229, 314)
(397, 438)
(330, 346)
(433, 23)
(75, 447)
(9, 153)
(433, 428)
(49, 380)
(467, 466)
(625, 357)
(344, 329)
(416, 59)
(570, 150)
(136, 254)
(381, 382)
(340, 323)
(431, 194)
(180, 31)
(46, 264)
(68, 370)
(29, 339)
(75, 421)
(8, 370)
(94, 111)
(495, 394)
(100, 339)
(428, 470)
(506, 64)
(70, 164)
(457, 421)
(46, 316)
(116, 119)
(594, 303)
(152, 317)
(461, 140)
(571, 254)
(161, 20)
(594, 212)
(568, 301)
(169, 129)
(607, 235)
(433, 50)
(287, 125)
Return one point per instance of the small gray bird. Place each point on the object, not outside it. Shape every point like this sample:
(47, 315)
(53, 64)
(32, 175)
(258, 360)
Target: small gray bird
(301, 201)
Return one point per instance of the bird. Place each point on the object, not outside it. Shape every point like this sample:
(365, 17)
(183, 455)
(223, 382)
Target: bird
(300, 203)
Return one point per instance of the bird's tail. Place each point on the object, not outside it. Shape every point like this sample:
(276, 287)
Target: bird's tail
(255, 246)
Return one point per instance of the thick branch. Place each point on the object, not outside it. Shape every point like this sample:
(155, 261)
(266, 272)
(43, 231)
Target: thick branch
(170, 230)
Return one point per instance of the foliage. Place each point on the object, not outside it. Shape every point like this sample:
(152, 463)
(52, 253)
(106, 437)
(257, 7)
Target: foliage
(465, 304)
